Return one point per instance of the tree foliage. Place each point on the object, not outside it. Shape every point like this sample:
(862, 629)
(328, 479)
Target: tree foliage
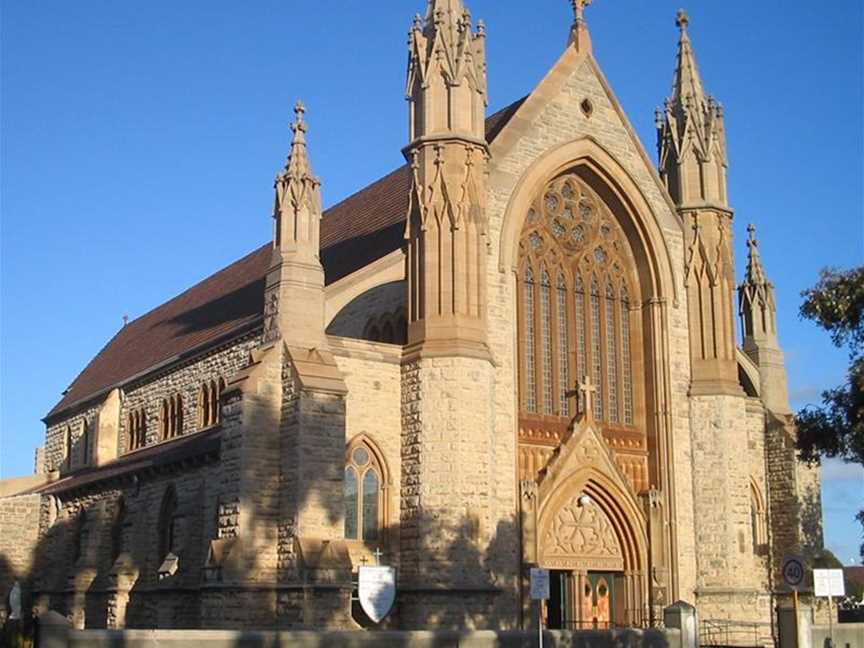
(836, 428)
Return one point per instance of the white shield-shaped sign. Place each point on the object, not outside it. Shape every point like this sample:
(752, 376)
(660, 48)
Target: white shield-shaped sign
(376, 589)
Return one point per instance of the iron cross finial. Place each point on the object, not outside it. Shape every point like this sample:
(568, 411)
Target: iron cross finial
(682, 20)
(751, 232)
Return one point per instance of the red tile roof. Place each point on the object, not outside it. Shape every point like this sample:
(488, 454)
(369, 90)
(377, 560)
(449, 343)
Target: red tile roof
(362, 228)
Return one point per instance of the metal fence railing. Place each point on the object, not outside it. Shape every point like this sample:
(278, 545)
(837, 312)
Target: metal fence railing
(727, 633)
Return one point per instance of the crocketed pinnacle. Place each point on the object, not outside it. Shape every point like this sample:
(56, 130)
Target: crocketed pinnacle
(755, 275)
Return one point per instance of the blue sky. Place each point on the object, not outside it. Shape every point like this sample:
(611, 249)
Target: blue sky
(139, 143)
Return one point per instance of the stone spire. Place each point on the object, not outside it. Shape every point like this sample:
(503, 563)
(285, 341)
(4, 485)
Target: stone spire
(446, 91)
(296, 275)
(691, 133)
(758, 312)
(692, 148)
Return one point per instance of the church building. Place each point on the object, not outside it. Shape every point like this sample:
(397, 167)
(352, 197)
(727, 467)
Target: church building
(519, 349)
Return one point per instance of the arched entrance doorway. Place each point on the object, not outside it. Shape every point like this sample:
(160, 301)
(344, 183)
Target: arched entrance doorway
(584, 524)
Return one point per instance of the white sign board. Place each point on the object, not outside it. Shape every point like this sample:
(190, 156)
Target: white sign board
(793, 571)
(376, 589)
(539, 583)
(829, 582)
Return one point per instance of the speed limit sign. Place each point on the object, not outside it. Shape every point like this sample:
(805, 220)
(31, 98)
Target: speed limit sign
(793, 571)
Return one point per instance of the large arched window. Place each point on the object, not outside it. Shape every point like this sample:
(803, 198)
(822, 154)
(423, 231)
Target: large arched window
(364, 493)
(577, 278)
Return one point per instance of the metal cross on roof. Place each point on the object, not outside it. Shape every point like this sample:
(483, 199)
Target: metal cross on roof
(378, 553)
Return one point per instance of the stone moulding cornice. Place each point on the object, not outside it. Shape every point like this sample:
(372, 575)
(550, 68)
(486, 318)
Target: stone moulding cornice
(317, 370)
(465, 139)
(448, 349)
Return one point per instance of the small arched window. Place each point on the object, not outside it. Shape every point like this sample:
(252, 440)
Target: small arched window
(67, 442)
(172, 416)
(757, 520)
(209, 402)
(86, 450)
(136, 429)
(364, 493)
(168, 523)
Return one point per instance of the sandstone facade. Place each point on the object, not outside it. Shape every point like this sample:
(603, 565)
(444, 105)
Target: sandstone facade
(519, 350)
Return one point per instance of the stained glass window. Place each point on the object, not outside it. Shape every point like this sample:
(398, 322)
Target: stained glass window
(627, 378)
(563, 347)
(546, 315)
(351, 517)
(569, 223)
(370, 505)
(530, 367)
(363, 495)
(611, 355)
(596, 351)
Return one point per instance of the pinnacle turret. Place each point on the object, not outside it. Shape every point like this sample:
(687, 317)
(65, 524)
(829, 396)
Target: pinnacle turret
(690, 133)
(756, 298)
(758, 313)
(297, 204)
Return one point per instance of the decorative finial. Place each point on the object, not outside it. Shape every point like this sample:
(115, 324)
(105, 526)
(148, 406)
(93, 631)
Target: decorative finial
(125, 320)
(299, 126)
(752, 243)
(579, 9)
(682, 20)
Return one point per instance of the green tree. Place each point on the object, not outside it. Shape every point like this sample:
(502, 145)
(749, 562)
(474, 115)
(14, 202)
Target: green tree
(836, 429)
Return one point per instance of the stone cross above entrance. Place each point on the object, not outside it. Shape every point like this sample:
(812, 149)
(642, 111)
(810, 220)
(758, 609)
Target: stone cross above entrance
(588, 389)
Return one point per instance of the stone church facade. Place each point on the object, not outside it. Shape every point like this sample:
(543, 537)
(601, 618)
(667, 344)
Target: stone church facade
(519, 349)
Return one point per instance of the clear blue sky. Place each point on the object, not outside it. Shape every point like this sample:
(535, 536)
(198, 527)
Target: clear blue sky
(140, 139)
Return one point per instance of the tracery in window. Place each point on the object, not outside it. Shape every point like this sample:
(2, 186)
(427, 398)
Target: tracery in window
(171, 416)
(209, 400)
(585, 328)
(363, 493)
(136, 429)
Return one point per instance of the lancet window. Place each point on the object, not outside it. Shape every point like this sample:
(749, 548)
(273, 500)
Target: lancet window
(136, 429)
(209, 398)
(576, 312)
(171, 416)
(364, 499)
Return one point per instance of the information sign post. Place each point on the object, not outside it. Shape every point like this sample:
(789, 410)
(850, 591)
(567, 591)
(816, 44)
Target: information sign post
(539, 593)
(793, 575)
(829, 582)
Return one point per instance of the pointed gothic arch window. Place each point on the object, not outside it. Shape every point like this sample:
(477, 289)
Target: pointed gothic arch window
(85, 443)
(365, 502)
(171, 416)
(117, 528)
(168, 524)
(209, 398)
(136, 429)
(576, 321)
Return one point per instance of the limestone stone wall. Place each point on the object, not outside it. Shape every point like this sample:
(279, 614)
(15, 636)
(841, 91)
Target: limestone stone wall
(73, 562)
(454, 536)
(372, 374)
(58, 454)
(148, 392)
(185, 379)
(351, 321)
(19, 534)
